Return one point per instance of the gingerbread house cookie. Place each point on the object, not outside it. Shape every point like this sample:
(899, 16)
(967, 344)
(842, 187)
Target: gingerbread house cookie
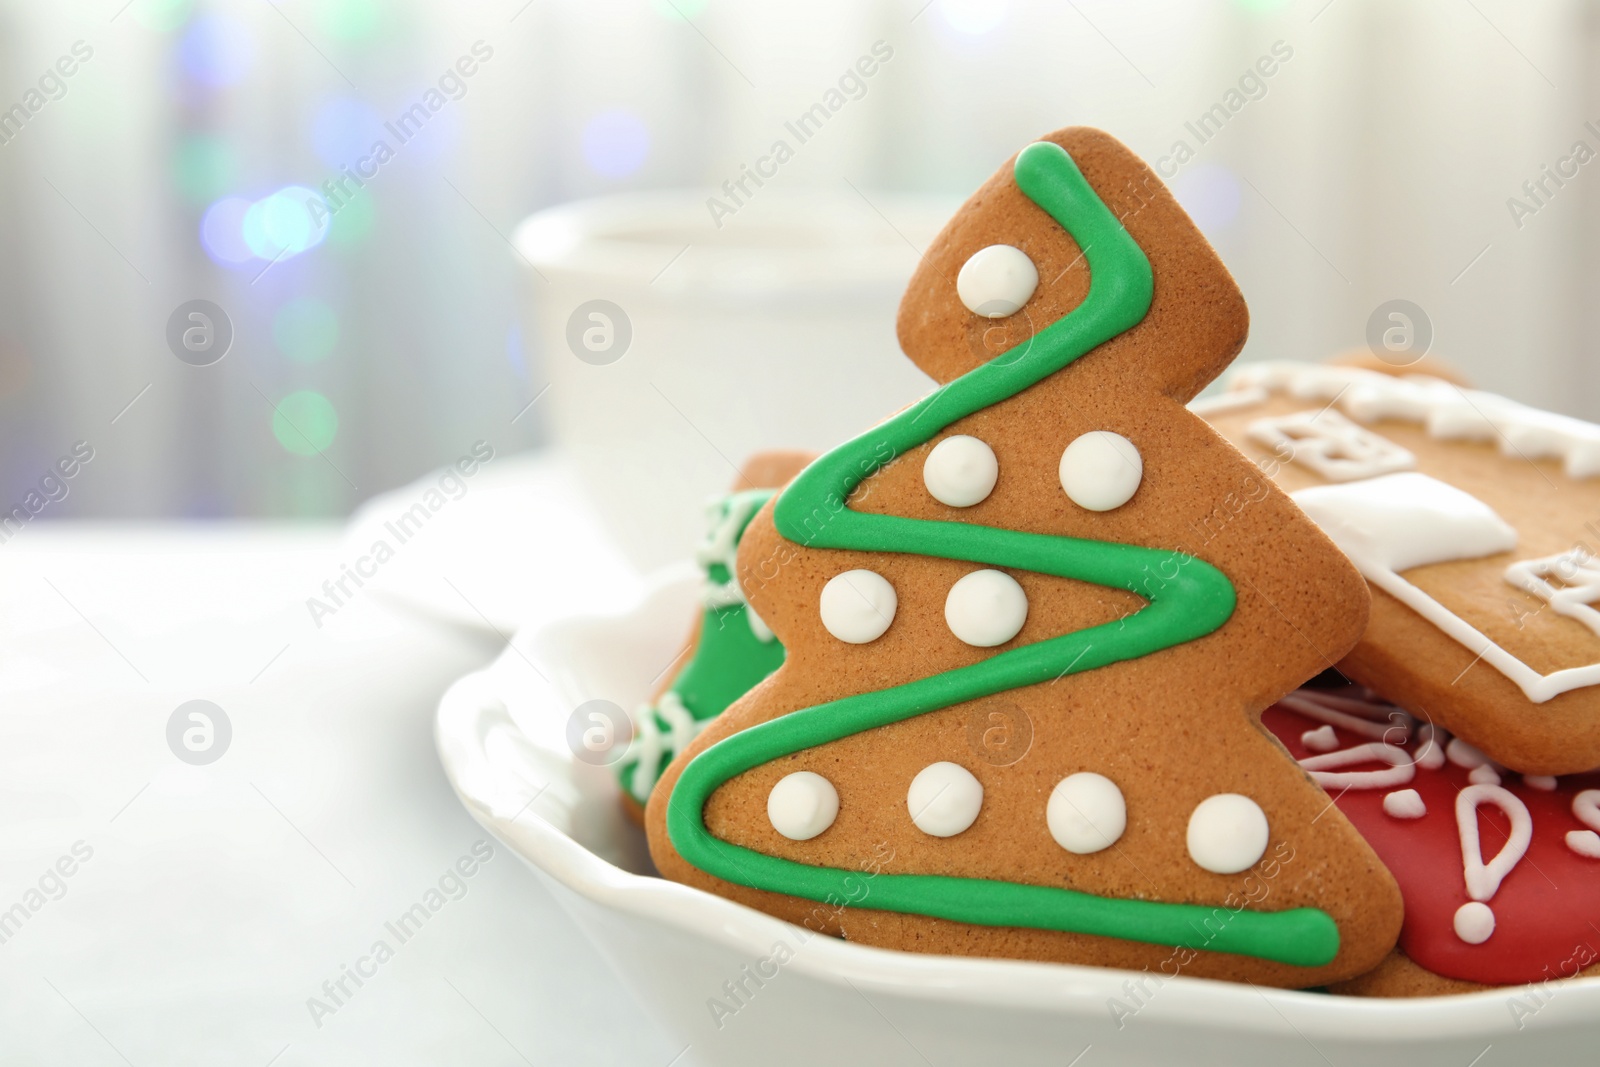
(1475, 519)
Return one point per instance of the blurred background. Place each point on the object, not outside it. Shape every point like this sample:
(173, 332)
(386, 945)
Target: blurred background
(156, 152)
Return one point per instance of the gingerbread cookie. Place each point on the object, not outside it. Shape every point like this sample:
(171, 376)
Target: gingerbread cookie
(1019, 714)
(1500, 871)
(1475, 519)
(729, 649)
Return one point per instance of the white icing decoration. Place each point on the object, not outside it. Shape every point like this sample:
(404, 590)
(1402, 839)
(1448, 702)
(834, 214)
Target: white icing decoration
(1483, 879)
(944, 799)
(960, 471)
(1446, 411)
(1381, 722)
(1372, 709)
(1399, 521)
(1586, 808)
(996, 281)
(1322, 739)
(727, 517)
(986, 608)
(1474, 922)
(858, 606)
(1485, 774)
(1101, 470)
(1585, 843)
(1577, 570)
(650, 742)
(1405, 804)
(1464, 755)
(1430, 753)
(1227, 833)
(802, 805)
(1401, 768)
(1544, 783)
(1330, 445)
(1086, 813)
(1389, 524)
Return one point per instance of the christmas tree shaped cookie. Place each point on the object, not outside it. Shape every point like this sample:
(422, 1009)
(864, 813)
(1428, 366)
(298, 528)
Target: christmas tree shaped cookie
(1031, 624)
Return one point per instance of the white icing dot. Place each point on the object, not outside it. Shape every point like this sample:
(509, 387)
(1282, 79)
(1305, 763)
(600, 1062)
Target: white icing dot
(1086, 813)
(1101, 470)
(1227, 833)
(996, 281)
(986, 608)
(1544, 783)
(1584, 843)
(1474, 922)
(1322, 739)
(1405, 804)
(1464, 755)
(858, 606)
(802, 805)
(960, 471)
(944, 799)
(1484, 774)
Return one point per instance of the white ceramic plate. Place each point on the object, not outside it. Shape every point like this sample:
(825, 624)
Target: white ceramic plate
(501, 733)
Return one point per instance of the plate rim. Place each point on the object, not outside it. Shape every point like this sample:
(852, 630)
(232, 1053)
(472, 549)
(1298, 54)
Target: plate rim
(1065, 991)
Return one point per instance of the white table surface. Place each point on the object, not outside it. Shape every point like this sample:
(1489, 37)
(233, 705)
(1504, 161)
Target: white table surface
(218, 899)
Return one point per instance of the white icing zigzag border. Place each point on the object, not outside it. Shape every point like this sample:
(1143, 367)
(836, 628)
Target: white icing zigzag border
(1448, 412)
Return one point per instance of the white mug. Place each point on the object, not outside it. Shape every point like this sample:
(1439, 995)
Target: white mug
(676, 347)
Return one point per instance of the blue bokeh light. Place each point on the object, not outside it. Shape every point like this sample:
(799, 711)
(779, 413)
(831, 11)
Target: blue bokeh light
(221, 231)
(615, 143)
(284, 224)
(217, 50)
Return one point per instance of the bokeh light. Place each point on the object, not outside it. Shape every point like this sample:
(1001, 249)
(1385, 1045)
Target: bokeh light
(284, 224)
(1210, 193)
(203, 167)
(973, 17)
(306, 330)
(348, 20)
(615, 143)
(217, 50)
(305, 422)
(162, 15)
(343, 130)
(222, 231)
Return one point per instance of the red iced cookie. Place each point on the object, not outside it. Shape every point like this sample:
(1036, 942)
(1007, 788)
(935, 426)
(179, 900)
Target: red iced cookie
(1500, 872)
